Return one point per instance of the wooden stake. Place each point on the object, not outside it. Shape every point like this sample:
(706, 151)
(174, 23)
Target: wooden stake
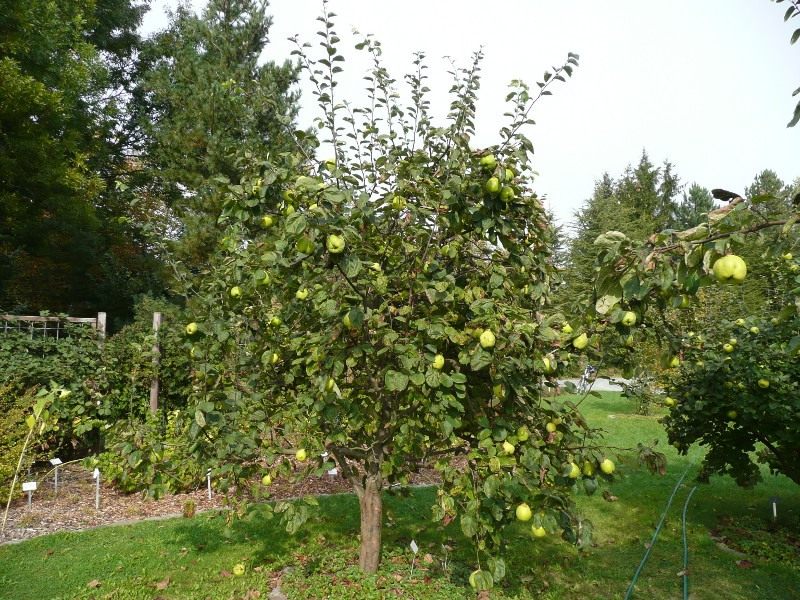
(156, 360)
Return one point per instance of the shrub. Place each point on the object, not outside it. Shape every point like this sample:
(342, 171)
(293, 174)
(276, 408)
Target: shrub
(150, 454)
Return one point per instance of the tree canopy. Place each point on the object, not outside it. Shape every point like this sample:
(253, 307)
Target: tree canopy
(64, 244)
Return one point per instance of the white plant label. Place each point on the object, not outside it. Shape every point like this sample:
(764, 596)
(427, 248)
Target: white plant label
(55, 461)
(414, 547)
(96, 474)
(29, 486)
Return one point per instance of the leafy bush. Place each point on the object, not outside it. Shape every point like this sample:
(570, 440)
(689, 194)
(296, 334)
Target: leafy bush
(109, 381)
(31, 362)
(28, 417)
(14, 408)
(150, 454)
(737, 394)
(128, 362)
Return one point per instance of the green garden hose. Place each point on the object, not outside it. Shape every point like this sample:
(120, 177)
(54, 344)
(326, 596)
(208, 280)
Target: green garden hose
(686, 545)
(629, 593)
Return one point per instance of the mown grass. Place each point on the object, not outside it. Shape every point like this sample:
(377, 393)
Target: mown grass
(193, 558)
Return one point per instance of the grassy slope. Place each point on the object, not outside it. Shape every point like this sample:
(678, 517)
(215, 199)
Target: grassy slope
(129, 561)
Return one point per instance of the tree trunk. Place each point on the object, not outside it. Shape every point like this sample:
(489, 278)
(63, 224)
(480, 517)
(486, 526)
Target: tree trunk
(371, 521)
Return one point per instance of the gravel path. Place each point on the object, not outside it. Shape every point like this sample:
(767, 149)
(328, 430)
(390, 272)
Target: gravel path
(601, 384)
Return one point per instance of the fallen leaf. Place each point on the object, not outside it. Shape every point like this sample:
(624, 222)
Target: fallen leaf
(744, 564)
(252, 595)
(94, 583)
(609, 497)
(163, 584)
(398, 577)
(224, 573)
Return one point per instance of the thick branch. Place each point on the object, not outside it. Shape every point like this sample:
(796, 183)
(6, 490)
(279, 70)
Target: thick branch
(722, 235)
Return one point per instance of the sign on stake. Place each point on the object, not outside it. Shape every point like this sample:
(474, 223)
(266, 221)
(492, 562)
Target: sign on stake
(774, 505)
(414, 549)
(55, 462)
(208, 479)
(96, 476)
(30, 487)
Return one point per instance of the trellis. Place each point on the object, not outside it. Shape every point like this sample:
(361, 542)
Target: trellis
(55, 327)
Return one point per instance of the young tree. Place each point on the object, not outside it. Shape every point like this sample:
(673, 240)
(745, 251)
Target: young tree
(206, 101)
(393, 312)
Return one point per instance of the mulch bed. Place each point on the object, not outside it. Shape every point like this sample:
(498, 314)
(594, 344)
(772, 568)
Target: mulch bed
(73, 509)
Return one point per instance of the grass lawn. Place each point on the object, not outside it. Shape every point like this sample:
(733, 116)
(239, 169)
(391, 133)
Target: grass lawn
(193, 558)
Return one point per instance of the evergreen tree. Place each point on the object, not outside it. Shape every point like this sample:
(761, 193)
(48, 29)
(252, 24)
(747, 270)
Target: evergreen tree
(640, 202)
(207, 101)
(694, 206)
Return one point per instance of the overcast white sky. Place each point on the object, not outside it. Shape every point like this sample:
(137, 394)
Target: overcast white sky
(706, 84)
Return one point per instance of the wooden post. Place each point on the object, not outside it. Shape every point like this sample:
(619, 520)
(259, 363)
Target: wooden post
(101, 325)
(156, 360)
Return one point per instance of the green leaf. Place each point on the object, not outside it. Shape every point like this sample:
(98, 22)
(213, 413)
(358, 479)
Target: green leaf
(480, 359)
(483, 580)
(296, 223)
(796, 117)
(40, 405)
(432, 378)
(351, 265)
(469, 525)
(761, 198)
(447, 427)
(199, 418)
(790, 222)
(30, 421)
(606, 303)
(491, 486)
(395, 381)
(498, 567)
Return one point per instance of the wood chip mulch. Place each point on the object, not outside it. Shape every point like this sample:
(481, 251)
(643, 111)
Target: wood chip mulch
(73, 508)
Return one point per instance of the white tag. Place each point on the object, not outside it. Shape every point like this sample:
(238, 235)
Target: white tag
(96, 473)
(324, 455)
(333, 471)
(55, 461)
(414, 547)
(29, 486)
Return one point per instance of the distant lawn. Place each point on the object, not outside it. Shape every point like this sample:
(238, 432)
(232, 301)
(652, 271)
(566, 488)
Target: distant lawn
(194, 558)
